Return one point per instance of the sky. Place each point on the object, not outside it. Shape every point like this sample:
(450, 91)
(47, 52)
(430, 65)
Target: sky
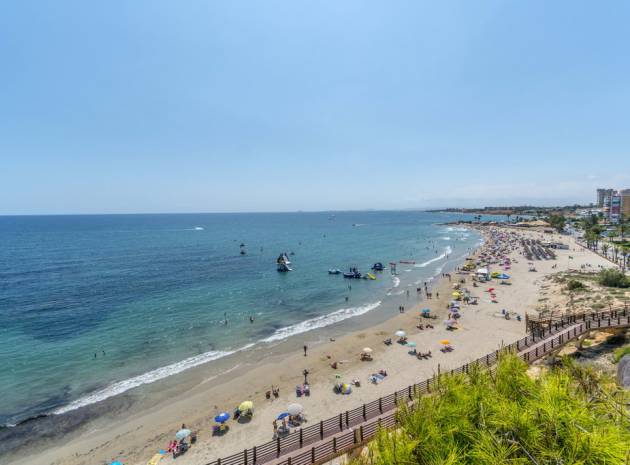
(215, 106)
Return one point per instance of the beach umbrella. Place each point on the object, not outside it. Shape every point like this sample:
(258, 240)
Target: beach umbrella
(295, 409)
(411, 344)
(247, 405)
(503, 276)
(182, 434)
(282, 416)
(367, 350)
(445, 342)
(222, 417)
(426, 310)
(490, 289)
(400, 333)
(116, 463)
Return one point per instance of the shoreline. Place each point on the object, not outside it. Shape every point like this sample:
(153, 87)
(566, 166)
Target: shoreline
(132, 401)
(135, 433)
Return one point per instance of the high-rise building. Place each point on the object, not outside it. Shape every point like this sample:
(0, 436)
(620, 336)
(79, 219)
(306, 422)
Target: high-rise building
(602, 194)
(625, 204)
(615, 208)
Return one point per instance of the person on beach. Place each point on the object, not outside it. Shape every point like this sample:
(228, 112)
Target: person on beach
(305, 349)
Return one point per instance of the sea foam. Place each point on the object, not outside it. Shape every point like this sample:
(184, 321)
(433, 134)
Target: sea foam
(149, 377)
(320, 321)
(446, 252)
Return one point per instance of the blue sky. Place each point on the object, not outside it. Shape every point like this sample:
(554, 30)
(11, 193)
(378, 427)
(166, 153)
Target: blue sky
(162, 106)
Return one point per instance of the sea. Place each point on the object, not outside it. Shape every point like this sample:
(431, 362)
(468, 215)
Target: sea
(93, 306)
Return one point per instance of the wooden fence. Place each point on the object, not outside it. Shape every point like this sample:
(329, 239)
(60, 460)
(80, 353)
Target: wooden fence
(349, 429)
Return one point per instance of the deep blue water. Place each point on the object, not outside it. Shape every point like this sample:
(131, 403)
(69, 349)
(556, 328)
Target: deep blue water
(147, 293)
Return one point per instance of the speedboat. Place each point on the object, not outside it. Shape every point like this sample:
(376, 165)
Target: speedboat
(334, 271)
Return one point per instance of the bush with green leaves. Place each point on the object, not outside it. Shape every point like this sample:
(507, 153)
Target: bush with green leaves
(613, 278)
(570, 415)
(575, 285)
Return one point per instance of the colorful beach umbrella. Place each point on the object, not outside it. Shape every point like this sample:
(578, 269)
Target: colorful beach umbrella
(282, 416)
(426, 310)
(222, 417)
(182, 434)
(295, 409)
(246, 405)
(116, 463)
(445, 342)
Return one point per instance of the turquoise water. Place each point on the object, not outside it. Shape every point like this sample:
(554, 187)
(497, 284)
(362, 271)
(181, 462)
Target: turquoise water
(95, 305)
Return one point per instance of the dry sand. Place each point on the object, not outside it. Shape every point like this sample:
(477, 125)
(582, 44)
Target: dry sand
(134, 438)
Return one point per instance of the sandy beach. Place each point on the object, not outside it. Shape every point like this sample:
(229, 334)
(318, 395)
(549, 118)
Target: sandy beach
(135, 436)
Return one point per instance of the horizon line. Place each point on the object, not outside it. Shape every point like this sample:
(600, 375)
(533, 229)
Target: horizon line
(419, 209)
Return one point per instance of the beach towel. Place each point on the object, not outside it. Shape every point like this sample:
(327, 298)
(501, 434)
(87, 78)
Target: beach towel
(155, 459)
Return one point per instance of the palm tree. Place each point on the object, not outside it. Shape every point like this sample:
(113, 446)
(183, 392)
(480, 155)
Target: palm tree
(605, 248)
(625, 252)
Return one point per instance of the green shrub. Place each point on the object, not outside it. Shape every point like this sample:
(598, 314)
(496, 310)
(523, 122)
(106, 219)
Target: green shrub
(575, 285)
(613, 278)
(620, 352)
(569, 415)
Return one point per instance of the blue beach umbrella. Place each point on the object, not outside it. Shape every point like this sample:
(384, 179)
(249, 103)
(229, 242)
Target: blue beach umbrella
(411, 344)
(426, 310)
(222, 417)
(503, 276)
(182, 434)
(116, 463)
(282, 415)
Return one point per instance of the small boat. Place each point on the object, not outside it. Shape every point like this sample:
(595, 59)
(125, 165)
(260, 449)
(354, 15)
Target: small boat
(334, 271)
(352, 274)
(377, 266)
(283, 263)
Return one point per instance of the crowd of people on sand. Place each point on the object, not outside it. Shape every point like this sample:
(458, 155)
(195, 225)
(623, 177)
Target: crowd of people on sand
(499, 244)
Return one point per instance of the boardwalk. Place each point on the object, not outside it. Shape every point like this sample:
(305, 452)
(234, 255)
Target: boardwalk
(347, 430)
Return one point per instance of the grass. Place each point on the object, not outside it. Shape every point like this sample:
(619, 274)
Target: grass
(570, 415)
(620, 352)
